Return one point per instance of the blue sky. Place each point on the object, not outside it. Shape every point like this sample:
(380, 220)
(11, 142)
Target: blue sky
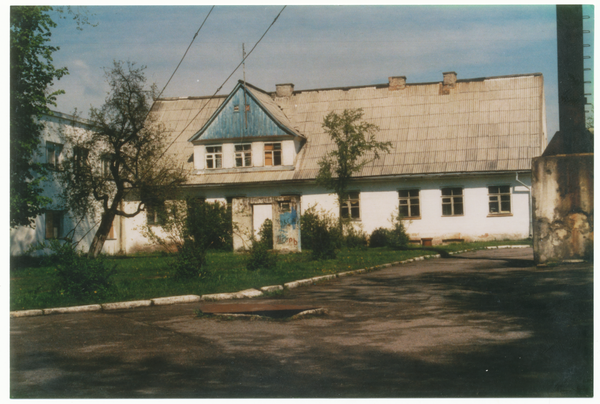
(310, 46)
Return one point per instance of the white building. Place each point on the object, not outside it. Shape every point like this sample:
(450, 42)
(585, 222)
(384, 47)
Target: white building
(58, 223)
(459, 167)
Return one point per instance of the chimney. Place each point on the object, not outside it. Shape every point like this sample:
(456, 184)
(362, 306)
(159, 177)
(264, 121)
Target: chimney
(284, 90)
(397, 83)
(449, 79)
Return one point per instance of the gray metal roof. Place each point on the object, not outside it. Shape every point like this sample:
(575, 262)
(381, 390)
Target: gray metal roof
(485, 124)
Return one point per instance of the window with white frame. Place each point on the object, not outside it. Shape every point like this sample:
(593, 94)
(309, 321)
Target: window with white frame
(272, 154)
(214, 157)
(499, 199)
(54, 224)
(452, 202)
(350, 208)
(409, 205)
(243, 155)
(53, 154)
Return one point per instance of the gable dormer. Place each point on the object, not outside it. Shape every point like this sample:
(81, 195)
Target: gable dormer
(244, 116)
(248, 131)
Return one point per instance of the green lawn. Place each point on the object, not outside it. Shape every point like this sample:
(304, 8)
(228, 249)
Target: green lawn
(148, 276)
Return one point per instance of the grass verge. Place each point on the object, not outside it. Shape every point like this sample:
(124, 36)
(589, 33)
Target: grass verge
(149, 276)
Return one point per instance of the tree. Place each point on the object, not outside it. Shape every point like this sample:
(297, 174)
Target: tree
(124, 155)
(31, 74)
(353, 140)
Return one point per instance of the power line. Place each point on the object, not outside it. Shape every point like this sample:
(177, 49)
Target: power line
(221, 86)
(186, 51)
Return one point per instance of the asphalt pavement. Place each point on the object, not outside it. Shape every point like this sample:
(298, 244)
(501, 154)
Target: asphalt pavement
(481, 324)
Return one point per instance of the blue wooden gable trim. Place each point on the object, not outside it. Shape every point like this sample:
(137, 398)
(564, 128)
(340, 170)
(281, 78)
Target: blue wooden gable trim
(228, 124)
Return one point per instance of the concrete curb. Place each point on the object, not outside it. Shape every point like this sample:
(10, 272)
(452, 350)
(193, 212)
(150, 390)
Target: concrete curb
(248, 293)
(126, 305)
(161, 301)
(74, 309)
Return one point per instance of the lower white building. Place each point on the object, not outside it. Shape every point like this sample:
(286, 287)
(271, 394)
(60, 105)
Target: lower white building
(459, 168)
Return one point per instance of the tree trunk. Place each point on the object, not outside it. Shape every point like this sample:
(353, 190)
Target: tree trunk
(101, 234)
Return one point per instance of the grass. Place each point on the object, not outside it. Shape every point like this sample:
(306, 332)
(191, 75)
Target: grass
(33, 284)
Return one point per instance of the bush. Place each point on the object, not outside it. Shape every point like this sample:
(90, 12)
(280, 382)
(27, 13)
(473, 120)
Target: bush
(266, 233)
(398, 238)
(354, 238)
(320, 233)
(260, 257)
(379, 238)
(81, 277)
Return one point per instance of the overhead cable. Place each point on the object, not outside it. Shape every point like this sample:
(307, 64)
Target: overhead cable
(221, 86)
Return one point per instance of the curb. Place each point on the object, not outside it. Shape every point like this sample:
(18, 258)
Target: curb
(248, 293)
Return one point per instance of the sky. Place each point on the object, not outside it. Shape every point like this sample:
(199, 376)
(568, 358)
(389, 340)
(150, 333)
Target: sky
(310, 46)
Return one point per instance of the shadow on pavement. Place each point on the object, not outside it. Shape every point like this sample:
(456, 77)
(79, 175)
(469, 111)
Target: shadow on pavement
(535, 340)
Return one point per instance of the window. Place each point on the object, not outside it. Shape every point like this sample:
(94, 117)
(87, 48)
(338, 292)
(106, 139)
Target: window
(272, 154)
(105, 167)
(409, 203)
(54, 224)
(284, 207)
(499, 199)
(452, 202)
(80, 156)
(236, 108)
(53, 154)
(243, 155)
(155, 214)
(214, 157)
(350, 208)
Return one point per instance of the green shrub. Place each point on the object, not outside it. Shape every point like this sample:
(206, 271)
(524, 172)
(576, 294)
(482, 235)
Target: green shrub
(260, 257)
(379, 238)
(190, 263)
(266, 233)
(398, 238)
(81, 277)
(320, 233)
(353, 237)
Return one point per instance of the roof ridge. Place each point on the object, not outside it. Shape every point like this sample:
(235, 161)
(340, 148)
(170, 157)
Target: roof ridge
(385, 85)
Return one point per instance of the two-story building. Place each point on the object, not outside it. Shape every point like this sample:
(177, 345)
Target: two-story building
(459, 167)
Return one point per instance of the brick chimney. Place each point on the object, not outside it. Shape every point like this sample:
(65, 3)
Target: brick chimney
(397, 83)
(449, 79)
(284, 90)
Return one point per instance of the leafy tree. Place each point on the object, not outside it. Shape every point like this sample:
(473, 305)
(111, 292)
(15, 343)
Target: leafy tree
(354, 140)
(124, 155)
(191, 227)
(31, 74)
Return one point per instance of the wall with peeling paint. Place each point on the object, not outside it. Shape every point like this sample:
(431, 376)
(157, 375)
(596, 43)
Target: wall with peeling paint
(379, 201)
(563, 207)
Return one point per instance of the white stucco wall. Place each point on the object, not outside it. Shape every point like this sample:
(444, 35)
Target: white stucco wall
(379, 201)
(289, 151)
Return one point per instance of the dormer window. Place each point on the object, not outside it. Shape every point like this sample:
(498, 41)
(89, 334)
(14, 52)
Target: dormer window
(214, 157)
(272, 154)
(243, 155)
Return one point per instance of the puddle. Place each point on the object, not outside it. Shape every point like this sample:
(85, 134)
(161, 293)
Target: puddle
(273, 311)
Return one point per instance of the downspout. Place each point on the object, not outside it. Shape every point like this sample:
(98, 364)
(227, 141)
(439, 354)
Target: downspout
(530, 205)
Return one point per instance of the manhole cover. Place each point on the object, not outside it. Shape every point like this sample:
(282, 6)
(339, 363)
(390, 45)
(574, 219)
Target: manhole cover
(263, 310)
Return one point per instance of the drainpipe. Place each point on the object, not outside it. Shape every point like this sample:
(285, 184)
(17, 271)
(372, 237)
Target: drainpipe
(530, 206)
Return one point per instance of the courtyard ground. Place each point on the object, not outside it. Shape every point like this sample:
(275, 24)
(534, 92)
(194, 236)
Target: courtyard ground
(481, 324)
